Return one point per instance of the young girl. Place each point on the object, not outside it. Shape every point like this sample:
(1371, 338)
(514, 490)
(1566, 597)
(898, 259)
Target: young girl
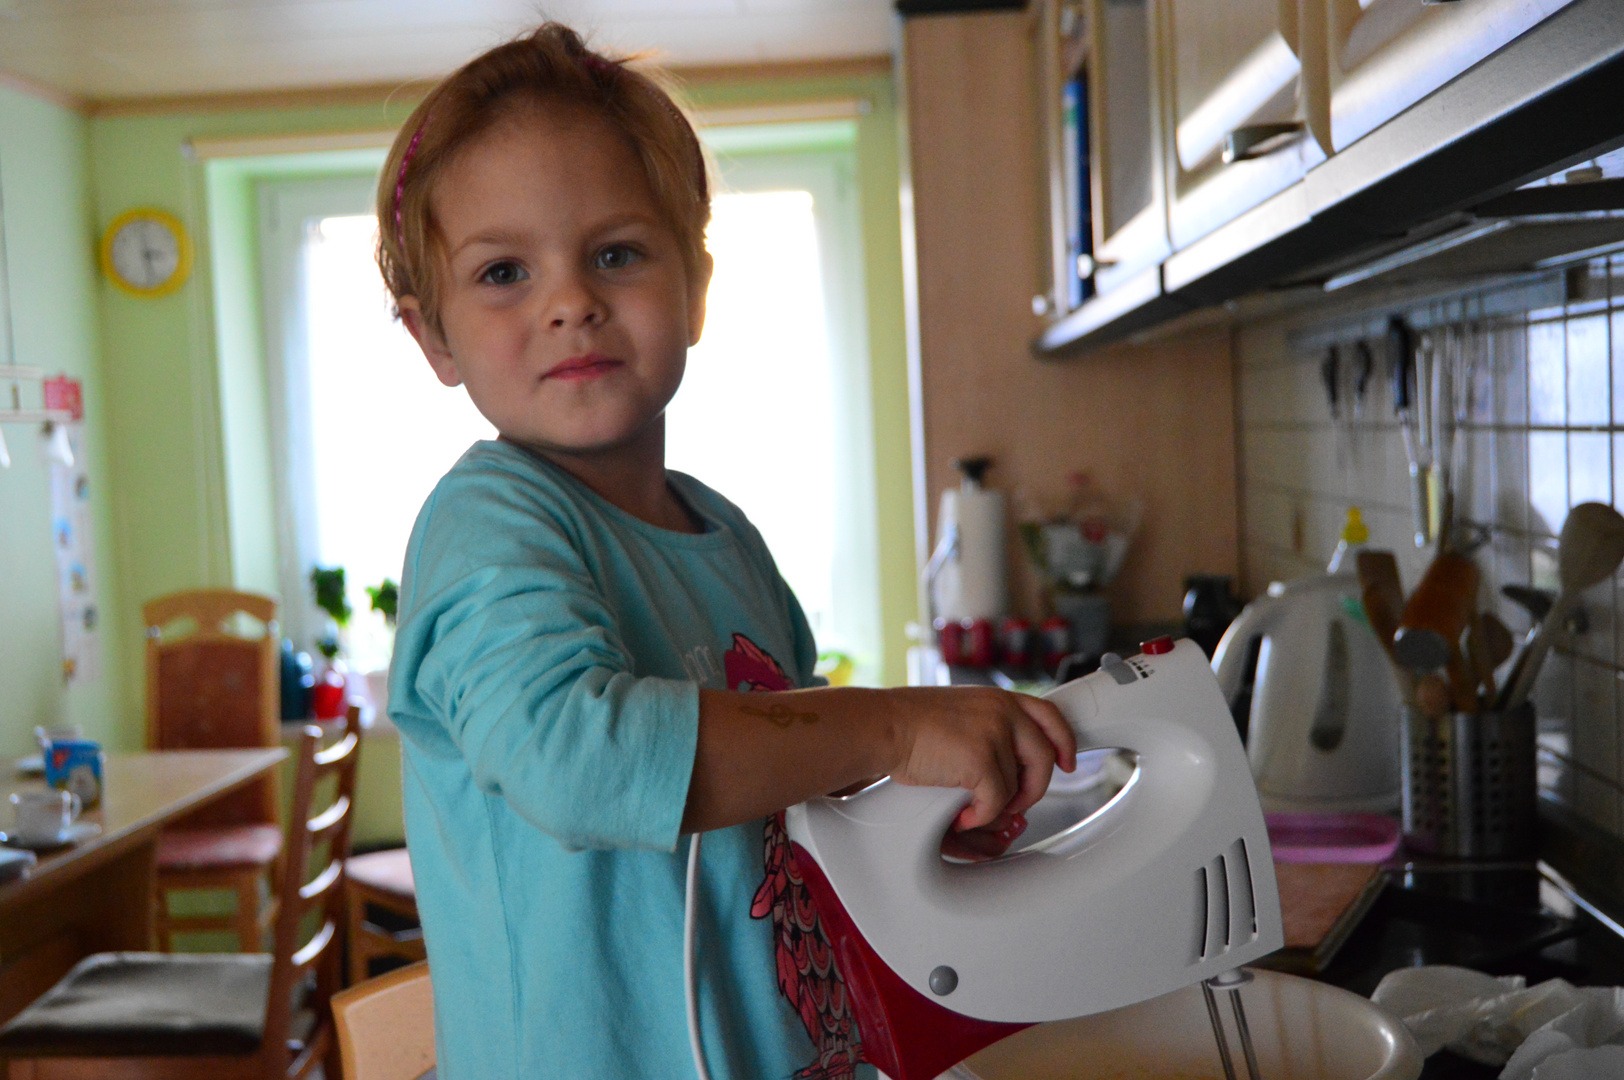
(596, 656)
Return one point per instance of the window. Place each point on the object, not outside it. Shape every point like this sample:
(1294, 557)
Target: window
(774, 410)
(366, 428)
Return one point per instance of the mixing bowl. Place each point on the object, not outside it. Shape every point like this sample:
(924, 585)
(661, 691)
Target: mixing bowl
(1301, 1030)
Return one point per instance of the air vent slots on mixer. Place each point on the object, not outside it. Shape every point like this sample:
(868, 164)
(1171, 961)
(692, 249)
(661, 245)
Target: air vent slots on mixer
(1225, 905)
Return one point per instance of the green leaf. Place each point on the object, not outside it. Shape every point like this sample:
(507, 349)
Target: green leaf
(385, 599)
(328, 584)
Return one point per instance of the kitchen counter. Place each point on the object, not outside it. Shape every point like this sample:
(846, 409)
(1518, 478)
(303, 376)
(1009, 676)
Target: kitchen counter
(1506, 919)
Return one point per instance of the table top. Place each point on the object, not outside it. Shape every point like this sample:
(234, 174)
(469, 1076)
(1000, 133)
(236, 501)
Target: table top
(140, 793)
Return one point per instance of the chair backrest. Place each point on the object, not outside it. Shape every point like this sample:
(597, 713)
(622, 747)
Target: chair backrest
(213, 683)
(312, 891)
(386, 1025)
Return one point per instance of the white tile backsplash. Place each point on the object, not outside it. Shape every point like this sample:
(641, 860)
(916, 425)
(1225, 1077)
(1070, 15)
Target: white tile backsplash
(1547, 389)
(1544, 431)
(1589, 374)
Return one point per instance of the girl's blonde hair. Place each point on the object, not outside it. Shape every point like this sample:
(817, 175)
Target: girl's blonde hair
(549, 66)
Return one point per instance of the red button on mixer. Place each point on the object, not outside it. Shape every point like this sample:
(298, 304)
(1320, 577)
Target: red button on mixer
(1157, 646)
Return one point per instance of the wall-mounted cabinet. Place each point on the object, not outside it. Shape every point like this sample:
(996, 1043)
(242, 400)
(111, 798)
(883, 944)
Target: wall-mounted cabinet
(1237, 108)
(1106, 181)
(1130, 226)
(1235, 144)
(1382, 56)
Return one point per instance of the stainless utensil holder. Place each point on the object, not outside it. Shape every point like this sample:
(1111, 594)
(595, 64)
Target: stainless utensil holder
(1469, 787)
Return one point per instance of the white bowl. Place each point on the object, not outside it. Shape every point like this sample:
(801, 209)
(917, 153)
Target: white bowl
(1301, 1030)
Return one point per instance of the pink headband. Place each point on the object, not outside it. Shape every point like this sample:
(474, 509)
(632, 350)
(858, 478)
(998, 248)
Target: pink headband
(596, 64)
(405, 160)
(592, 62)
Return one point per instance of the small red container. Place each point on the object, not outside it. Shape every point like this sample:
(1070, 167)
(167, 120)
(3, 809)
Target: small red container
(1017, 642)
(1055, 635)
(327, 696)
(983, 644)
(952, 641)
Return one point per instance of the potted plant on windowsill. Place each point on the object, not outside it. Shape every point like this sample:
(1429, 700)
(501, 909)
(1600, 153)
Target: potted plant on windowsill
(328, 696)
(385, 598)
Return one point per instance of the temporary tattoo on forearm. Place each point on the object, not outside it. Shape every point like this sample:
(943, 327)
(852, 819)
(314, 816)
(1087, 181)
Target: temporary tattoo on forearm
(781, 715)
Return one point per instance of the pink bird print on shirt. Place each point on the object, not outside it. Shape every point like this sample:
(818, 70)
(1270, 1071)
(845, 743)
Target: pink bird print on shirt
(808, 975)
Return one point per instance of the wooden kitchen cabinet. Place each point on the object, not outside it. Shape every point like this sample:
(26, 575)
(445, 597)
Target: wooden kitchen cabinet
(1291, 132)
(1125, 135)
(1239, 104)
(1382, 56)
(1107, 194)
(1154, 423)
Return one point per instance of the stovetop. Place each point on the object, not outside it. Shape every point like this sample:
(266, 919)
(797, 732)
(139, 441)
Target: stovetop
(1508, 919)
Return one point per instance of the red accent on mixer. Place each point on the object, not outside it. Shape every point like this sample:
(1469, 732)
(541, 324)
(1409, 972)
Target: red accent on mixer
(906, 1035)
(1157, 646)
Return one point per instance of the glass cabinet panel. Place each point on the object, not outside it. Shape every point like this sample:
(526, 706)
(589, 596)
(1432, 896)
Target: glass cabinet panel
(1107, 199)
(1128, 198)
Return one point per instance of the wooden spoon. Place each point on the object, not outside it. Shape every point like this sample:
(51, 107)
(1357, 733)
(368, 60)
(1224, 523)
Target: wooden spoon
(1383, 594)
(1487, 645)
(1589, 552)
(1436, 614)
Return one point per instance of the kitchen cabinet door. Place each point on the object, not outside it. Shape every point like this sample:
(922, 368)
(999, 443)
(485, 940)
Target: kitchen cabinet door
(1385, 55)
(1129, 192)
(1239, 112)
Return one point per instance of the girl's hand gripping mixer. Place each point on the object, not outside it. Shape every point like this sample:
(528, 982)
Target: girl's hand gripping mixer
(1168, 884)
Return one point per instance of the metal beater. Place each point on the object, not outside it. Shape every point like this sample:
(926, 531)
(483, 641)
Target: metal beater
(1230, 982)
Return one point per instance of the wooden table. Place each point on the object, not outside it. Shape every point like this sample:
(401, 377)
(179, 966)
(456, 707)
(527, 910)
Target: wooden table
(97, 896)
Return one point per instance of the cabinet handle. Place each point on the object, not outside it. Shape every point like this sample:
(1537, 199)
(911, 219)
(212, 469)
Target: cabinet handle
(1088, 265)
(1256, 140)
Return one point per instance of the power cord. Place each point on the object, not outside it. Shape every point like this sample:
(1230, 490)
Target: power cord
(690, 931)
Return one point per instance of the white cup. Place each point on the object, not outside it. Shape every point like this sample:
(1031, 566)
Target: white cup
(44, 735)
(43, 817)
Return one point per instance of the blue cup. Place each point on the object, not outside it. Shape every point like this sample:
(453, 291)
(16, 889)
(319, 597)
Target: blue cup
(75, 765)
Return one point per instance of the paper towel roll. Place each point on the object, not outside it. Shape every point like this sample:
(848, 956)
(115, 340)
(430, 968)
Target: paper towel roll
(973, 583)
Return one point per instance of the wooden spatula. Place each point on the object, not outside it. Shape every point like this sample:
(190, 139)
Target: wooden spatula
(1383, 594)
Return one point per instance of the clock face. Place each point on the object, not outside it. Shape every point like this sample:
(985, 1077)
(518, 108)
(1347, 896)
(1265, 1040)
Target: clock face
(146, 253)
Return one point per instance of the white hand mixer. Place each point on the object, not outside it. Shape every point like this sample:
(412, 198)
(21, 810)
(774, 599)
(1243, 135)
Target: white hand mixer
(1146, 872)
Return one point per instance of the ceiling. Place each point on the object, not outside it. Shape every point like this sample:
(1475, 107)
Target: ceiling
(102, 50)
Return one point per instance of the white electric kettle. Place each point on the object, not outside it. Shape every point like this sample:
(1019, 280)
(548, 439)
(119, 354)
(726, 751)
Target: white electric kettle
(1323, 731)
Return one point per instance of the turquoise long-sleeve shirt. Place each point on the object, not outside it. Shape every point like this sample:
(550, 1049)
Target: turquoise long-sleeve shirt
(545, 681)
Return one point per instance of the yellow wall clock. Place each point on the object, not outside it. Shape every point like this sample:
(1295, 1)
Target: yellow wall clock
(146, 252)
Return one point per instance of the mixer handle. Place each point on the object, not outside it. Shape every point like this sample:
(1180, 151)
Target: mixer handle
(924, 812)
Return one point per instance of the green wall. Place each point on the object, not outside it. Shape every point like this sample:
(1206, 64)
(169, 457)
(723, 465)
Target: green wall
(51, 266)
(174, 375)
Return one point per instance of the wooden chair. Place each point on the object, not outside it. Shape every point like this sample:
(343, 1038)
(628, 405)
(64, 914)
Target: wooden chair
(219, 1016)
(211, 686)
(386, 1026)
(383, 880)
